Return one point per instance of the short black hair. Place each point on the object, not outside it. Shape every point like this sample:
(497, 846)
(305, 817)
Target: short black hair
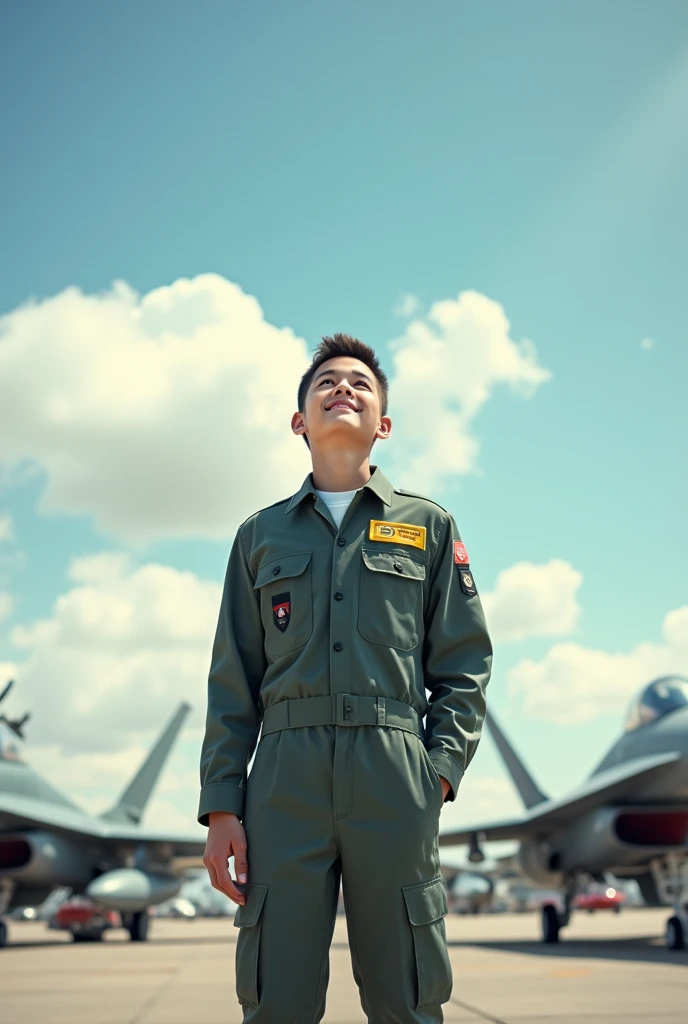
(345, 345)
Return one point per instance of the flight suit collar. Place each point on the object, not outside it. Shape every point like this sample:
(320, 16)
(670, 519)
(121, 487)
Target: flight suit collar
(378, 484)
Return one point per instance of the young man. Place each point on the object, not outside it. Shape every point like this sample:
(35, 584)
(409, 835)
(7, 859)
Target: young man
(342, 605)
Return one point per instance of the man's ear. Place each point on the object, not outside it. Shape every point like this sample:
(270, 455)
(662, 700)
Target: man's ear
(384, 429)
(298, 424)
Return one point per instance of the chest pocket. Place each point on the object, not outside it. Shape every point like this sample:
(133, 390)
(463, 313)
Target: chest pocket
(390, 607)
(286, 602)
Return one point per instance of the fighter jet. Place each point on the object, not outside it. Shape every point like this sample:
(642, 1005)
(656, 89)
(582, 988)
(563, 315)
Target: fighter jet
(629, 818)
(46, 840)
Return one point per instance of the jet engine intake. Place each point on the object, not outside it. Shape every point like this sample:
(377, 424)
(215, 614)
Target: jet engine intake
(539, 862)
(39, 859)
(619, 837)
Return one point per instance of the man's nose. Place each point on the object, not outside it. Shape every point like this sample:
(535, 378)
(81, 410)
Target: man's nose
(344, 387)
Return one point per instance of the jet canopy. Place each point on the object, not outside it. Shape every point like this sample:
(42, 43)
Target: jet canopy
(11, 747)
(658, 699)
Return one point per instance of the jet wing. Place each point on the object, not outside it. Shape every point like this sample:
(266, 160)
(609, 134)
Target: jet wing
(183, 844)
(21, 812)
(605, 787)
(494, 831)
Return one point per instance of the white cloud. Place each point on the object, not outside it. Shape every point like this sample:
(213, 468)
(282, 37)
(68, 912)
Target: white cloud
(165, 414)
(533, 600)
(8, 670)
(481, 799)
(122, 647)
(646, 344)
(447, 367)
(573, 684)
(6, 605)
(168, 414)
(6, 527)
(407, 305)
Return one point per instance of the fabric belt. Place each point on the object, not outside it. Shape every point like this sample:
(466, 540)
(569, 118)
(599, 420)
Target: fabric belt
(342, 709)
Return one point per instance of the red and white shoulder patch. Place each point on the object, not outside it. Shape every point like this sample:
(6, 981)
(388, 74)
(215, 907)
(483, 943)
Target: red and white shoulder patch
(460, 553)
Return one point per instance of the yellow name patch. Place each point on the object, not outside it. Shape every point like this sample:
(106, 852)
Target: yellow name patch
(398, 533)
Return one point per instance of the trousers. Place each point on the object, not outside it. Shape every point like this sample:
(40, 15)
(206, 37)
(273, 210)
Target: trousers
(347, 801)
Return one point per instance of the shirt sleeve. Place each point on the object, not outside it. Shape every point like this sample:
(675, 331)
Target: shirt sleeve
(457, 663)
(237, 668)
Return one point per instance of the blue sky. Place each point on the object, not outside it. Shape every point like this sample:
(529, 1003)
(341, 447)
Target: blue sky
(331, 162)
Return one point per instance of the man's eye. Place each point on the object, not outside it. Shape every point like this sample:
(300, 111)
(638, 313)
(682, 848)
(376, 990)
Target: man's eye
(364, 383)
(327, 380)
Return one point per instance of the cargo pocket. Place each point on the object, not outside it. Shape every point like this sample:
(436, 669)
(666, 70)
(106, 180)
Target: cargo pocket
(286, 602)
(247, 919)
(390, 607)
(426, 905)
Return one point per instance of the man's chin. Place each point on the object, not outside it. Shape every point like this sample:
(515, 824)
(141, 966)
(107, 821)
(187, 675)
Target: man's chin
(338, 429)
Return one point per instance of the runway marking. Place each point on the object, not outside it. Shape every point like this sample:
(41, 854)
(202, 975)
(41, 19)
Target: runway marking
(476, 1012)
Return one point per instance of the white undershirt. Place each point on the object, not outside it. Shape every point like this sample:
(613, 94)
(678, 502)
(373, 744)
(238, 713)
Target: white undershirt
(337, 502)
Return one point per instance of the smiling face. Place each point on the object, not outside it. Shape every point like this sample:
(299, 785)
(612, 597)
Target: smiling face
(342, 406)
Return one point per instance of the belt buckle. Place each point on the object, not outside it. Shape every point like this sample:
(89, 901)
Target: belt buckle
(346, 705)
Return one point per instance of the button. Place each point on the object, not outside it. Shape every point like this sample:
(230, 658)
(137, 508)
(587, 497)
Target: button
(276, 570)
(341, 541)
(338, 646)
(338, 596)
(399, 567)
(348, 709)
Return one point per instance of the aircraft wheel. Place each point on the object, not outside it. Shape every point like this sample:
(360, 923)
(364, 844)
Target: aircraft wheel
(138, 929)
(674, 933)
(550, 923)
(3, 934)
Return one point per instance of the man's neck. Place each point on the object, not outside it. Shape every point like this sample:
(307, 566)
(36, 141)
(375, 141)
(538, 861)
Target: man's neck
(340, 471)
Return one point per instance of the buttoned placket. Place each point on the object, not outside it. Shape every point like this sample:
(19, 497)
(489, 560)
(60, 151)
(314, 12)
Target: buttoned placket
(341, 624)
(341, 607)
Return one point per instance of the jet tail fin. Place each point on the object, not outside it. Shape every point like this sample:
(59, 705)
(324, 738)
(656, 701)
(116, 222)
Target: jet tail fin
(132, 802)
(530, 792)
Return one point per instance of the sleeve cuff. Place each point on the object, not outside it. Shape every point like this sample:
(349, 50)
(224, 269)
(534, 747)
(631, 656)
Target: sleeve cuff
(220, 796)
(446, 766)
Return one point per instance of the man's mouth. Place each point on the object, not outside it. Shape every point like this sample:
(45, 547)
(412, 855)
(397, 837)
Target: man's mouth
(342, 404)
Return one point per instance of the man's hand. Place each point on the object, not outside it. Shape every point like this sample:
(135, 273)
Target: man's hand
(445, 787)
(226, 838)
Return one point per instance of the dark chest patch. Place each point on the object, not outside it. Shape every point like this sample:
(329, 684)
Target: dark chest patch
(281, 610)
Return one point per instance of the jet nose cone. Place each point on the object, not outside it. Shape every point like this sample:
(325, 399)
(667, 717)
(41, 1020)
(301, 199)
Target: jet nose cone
(673, 729)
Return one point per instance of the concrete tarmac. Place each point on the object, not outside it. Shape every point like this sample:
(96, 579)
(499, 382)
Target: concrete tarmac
(609, 969)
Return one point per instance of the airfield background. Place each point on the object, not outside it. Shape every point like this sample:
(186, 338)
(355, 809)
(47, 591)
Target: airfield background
(493, 196)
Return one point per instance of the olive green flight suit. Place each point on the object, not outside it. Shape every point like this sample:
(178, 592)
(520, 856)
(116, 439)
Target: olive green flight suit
(330, 638)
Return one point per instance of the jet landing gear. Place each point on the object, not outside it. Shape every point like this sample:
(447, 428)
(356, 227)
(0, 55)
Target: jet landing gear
(670, 874)
(137, 925)
(553, 920)
(6, 890)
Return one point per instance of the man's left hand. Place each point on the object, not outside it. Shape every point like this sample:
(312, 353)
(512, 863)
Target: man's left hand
(445, 787)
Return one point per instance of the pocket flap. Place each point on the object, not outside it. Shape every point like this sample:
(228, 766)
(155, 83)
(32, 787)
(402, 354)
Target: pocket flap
(288, 565)
(248, 915)
(426, 902)
(385, 561)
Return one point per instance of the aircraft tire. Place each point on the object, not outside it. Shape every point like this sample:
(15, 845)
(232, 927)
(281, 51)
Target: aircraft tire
(138, 929)
(3, 935)
(550, 923)
(675, 938)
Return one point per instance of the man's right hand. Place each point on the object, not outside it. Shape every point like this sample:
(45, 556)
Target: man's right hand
(226, 838)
